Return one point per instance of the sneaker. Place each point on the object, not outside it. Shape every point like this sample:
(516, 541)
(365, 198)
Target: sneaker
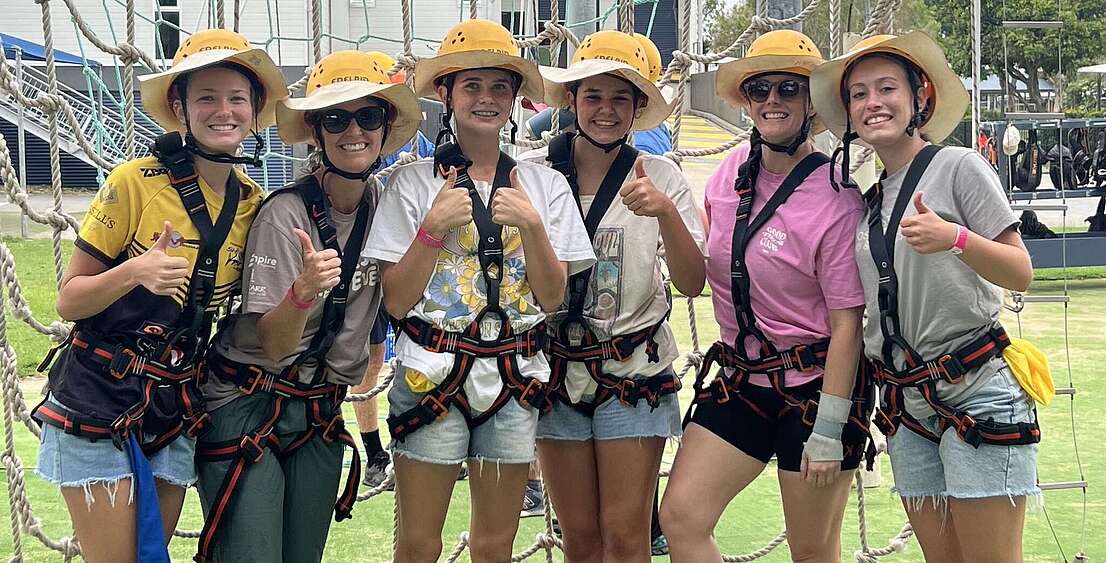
(532, 502)
(463, 473)
(556, 528)
(376, 470)
(659, 546)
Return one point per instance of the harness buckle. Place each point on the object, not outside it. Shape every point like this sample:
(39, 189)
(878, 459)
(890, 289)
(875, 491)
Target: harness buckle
(622, 348)
(431, 403)
(533, 395)
(628, 392)
(966, 426)
(251, 448)
(954, 375)
(197, 426)
(886, 423)
(258, 375)
(719, 391)
(809, 408)
(333, 428)
(805, 360)
(122, 361)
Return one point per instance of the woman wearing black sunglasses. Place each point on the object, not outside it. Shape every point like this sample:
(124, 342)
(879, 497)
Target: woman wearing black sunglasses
(788, 300)
(270, 467)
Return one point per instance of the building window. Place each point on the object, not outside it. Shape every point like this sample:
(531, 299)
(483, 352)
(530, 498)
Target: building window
(167, 28)
(513, 21)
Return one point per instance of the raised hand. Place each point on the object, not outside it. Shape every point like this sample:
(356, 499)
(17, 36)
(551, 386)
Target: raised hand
(642, 197)
(452, 208)
(927, 232)
(159, 272)
(322, 269)
(511, 206)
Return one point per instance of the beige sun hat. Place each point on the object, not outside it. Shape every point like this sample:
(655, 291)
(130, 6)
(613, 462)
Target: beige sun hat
(617, 54)
(948, 97)
(477, 43)
(204, 49)
(344, 76)
(779, 51)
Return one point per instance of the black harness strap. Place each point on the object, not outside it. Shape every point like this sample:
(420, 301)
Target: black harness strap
(470, 344)
(919, 373)
(589, 350)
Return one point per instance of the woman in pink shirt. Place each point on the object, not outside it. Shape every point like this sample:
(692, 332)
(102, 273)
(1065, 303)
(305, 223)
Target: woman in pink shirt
(788, 299)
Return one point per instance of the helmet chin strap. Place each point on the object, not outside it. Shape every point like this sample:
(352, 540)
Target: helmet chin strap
(846, 180)
(606, 147)
(792, 147)
(224, 158)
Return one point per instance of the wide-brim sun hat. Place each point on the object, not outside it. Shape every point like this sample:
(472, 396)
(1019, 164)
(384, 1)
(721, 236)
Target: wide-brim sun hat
(475, 44)
(617, 54)
(782, 51)
(949, 99)
(345, 76)
(205, 49)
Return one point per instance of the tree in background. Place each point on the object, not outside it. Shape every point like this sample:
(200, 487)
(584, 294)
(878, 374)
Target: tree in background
(724, 23)
(1031, 53)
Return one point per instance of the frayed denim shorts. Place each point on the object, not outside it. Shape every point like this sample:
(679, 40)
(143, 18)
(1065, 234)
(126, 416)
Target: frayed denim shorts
(613, 420)
(953, 468)
(70, 461)
(506, 437)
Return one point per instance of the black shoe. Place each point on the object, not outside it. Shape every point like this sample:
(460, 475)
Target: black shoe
(376, 470)
(532, 502)
(463, 473)
(659, 546)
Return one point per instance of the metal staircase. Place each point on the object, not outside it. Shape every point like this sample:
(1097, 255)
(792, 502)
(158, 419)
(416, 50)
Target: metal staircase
(102, 124)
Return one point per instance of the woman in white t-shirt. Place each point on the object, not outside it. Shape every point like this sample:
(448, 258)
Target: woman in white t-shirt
(940, 243)
(475, 249)
(612, 349)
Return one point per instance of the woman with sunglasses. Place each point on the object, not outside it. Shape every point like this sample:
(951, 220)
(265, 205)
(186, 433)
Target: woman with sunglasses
(939, 244)
(271, 465)
(788, 300)
(604, 438)
(156, 257)
(476, 248)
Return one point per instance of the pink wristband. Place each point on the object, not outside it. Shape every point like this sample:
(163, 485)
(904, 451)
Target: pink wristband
(961, 238)
(301, 305)
(428, 239)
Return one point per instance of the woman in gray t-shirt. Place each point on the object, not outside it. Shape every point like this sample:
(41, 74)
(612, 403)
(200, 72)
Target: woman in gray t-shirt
(962, 432)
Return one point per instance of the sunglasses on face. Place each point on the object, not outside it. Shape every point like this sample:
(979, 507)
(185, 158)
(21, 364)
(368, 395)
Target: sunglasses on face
(368, 118)
(758, 89)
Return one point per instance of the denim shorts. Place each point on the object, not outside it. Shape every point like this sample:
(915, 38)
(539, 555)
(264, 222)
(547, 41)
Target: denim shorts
(954, 468)
(506, 437)
(613, 420)
(70, 461)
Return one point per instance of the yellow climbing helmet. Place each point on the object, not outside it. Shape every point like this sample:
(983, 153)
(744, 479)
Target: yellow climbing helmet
(782, 50)
(208, 48)
(652, 55)
(948, 99)
(613, 46)
(473, 44)
(617, 54)
(384, 63)
(344, 76)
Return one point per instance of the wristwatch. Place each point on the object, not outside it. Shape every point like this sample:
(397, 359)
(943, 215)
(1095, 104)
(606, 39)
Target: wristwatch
(961, 241)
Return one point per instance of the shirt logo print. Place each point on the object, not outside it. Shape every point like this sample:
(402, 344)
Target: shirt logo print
(772, 240)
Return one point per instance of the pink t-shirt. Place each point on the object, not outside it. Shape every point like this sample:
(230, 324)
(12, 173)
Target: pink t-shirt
(801, 262)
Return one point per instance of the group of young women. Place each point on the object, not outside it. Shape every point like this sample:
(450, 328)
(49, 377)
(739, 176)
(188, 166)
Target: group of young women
(532, 307)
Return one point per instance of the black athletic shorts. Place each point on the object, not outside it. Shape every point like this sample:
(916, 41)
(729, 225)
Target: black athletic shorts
(782, 434)
(379, 332)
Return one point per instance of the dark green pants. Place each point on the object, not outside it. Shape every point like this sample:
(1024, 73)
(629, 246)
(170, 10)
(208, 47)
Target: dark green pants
(282, 508)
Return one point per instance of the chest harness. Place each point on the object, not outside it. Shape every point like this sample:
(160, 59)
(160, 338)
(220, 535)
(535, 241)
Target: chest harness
(469, 345)
(920, 373)
(169, 364)
(772, 362)
(323, 399)
(588, 349)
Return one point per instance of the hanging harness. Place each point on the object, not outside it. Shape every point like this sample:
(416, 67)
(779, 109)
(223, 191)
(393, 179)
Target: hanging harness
(170, 363)
(323, 399)
(919, 373)
(468, 345)
(772, 363)
(587, 348)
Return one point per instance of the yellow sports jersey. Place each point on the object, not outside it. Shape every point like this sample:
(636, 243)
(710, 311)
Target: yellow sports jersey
(128, 215)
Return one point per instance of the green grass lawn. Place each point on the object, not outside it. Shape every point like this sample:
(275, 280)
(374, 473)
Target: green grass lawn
(755, 516)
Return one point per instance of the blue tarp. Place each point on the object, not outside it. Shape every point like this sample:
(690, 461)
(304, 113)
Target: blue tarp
(34, 52)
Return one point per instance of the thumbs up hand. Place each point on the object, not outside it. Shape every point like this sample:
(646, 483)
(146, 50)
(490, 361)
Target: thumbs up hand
(927, 232)
(642, 196)
(161, 273)
(322, 269)
(511, 206)
(452, 207)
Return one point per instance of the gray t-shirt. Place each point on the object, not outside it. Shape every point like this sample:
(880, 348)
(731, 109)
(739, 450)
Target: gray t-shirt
(943, 303)
(275, 261)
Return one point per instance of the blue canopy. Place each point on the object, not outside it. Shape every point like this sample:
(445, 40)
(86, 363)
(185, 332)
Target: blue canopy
(34, 52)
